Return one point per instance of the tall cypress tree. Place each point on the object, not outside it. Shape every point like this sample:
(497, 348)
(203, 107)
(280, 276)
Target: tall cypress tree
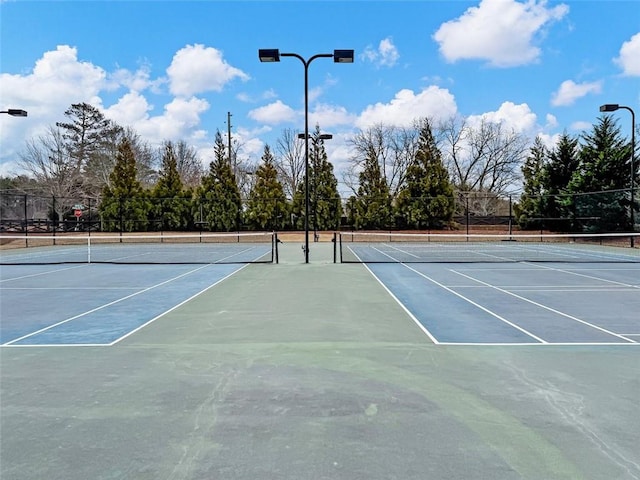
(529, 209)
(267, 208)
(372, 207)
(426, 200)
(561, 164)
(219, 199)
(325, 206)
(125, 206)
(171, 201)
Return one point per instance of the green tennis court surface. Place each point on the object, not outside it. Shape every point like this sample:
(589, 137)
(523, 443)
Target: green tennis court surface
(316, 371)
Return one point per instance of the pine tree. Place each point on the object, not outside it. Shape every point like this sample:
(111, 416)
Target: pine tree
(172, 204)
(426, 200)
(561, 164)
(125, 206)
(219, 199)
(372, 207)
(529, 209)
(267, 208)
(90, 141)
(597, 186)
(325, 206)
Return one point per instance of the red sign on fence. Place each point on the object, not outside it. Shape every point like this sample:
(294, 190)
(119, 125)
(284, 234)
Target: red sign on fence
(77, 213)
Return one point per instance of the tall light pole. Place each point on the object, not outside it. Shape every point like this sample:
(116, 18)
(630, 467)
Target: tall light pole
(15, 112)
(339, 56)
(612, 107)
(316, 139)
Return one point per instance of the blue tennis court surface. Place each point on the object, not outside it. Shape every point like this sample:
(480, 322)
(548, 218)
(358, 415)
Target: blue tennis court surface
(453, 303)
(94, 304)
(519, 303)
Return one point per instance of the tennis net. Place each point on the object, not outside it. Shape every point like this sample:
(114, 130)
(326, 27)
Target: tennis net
(203, 248)
(380, 247)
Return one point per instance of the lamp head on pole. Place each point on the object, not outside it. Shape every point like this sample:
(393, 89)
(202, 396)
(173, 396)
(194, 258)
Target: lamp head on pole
(322, 136)
(269, 55)
(609, 107)
(15, 112)
(343, 56)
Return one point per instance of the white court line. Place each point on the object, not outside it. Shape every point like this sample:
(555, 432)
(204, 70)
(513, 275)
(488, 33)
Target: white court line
(6, 345)
(545, 307)
(570, 272)
(175, 306)
(540, 345)
(477, 305)
(411, 315)
(559, 288)
(393, 247)
(415, 320)
(103, 306)
(101, 289)
(42, 273)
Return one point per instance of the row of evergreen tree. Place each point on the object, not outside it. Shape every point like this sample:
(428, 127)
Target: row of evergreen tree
(583, 183)
(425, 202)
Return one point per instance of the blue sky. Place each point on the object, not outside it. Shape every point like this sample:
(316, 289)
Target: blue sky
(173, 69)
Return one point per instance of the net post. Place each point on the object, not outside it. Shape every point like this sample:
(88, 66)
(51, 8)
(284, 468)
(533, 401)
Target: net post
(26, 223)
(334, 246)
(55, 216)
(275, 246)
(89, 250)
(340, 239)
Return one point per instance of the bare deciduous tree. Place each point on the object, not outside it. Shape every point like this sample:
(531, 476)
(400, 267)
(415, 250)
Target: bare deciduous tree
(188, 164)
(290, 161)
(394, 148)
(482, 158)
(56, 174)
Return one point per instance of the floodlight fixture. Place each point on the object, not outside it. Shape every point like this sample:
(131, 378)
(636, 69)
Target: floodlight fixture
(269, 55)
(609, 107)
(343, 56)
(322, 136)
(15, 112)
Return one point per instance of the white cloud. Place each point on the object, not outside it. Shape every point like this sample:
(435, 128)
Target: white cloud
(386, 54)
(276, 112)
(58, 79)
(501, 32)
(196, 69)
(570, 91)
(136, 81)
(328, 116)
(406, 106)
(629, 59)
(517, 117)
(130, 109)
(179, 118)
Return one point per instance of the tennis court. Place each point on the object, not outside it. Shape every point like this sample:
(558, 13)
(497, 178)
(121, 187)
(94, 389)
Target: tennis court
(463, 369)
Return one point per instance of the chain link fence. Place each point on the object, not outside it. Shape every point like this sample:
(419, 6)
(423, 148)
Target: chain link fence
(608, 211)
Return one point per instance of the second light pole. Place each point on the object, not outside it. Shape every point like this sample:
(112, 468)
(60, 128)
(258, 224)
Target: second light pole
(339, 56)
(612, 107)
(316, 139)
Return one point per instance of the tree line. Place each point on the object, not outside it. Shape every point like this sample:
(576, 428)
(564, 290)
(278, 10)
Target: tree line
(582, 183)
(398, 177)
